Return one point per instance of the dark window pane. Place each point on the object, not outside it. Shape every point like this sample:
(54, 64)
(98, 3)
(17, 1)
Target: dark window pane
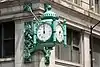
(96, 1)
(96, 52)
(8, 48)
(7, 39)
(69, 36)
(8, 30)
(96, 45)
(76, 38)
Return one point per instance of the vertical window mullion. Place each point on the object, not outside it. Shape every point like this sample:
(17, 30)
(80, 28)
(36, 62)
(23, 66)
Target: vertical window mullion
(71, 43)
(2, 49)
(0, 40)
(59, 52)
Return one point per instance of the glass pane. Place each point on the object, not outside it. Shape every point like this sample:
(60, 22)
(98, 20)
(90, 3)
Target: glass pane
(69, 36)
(96, 1)
(75, 55)
(8, 48)
(97, 6)
(7, 39)
(96, 57)
(96, 52)
(76, 38)
(8, 30)
(77, 2)
(65, 53)
(96, 45)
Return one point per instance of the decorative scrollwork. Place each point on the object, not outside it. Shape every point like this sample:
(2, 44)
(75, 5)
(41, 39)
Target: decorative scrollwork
(28, 47)
(47, 53)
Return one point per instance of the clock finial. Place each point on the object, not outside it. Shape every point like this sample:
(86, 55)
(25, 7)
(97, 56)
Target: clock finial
(47, 7)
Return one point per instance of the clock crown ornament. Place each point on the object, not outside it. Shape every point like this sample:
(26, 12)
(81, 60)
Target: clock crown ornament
(49, 14)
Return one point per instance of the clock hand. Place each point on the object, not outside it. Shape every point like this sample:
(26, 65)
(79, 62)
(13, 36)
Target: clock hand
(59, 32)
(43, 29)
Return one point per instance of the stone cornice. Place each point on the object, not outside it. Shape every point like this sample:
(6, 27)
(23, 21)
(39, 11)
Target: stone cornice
(38, 10)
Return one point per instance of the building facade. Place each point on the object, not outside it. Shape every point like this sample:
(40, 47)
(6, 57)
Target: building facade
(80, 16)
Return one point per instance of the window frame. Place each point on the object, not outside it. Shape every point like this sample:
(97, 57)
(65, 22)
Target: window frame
(72, 46)
(9, 39)
(95, 7)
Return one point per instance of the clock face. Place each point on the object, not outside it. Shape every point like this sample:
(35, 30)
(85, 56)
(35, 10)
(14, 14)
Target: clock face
(44, 32)
(59, 33)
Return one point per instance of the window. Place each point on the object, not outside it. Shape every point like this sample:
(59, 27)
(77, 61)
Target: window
(95, 5)
(96, 52)
(78, 2)
(72, 52)
(7, 31)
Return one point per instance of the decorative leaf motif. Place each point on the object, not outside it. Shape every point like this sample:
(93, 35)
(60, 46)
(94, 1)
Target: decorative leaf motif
(47, 55)
(28, 47)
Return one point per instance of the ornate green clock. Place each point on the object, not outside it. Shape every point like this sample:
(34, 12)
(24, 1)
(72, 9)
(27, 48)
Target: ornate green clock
(44, 34)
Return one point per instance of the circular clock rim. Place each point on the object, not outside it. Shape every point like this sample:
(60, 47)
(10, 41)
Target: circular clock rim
(50, 35)
(62, 33)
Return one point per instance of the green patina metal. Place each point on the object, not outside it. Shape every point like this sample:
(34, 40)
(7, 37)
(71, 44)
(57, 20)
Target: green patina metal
(47, 54)
(65, 33)
(27, 7)
(29, 44)
(33, 43)
(48, 13)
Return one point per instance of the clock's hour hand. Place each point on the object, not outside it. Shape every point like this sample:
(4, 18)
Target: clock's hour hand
(43, 29)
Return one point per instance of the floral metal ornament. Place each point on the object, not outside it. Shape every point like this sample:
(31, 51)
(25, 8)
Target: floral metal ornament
(28, 41)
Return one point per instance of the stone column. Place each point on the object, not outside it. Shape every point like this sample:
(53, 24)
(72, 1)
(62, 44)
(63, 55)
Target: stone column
(39, 60)
(52, 58)
(86, 50)
(19, 43)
